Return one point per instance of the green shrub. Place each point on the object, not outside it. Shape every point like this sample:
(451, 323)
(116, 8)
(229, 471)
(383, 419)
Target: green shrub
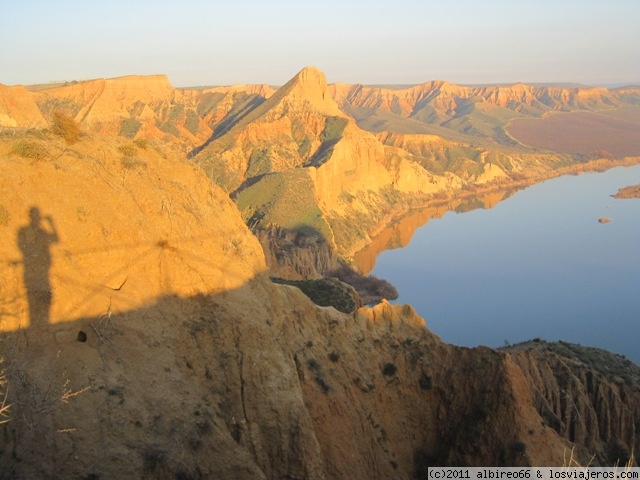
(333, 128)
(169, 128)
(389, 370)
(129, 127)
(132, 163)
(30, 149)
(142, 143)
(128, 150)
(66, 127)
(324, 386)
(192, 122)
(176, 111)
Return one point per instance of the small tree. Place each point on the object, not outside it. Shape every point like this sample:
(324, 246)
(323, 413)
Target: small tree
(66, 127)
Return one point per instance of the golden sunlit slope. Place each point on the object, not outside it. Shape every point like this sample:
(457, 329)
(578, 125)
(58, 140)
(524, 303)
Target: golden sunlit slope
(18, 108)
(123, 223)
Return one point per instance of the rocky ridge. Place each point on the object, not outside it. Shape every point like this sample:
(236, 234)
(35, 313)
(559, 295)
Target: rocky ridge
(442, 100)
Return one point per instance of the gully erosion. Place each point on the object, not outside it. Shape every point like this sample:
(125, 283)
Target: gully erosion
(151, 342)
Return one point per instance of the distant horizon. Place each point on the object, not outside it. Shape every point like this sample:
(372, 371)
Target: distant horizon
(399, 85)
(408, 42)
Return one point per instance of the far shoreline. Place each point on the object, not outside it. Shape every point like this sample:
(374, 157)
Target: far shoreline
(632, 191)
(591, 166)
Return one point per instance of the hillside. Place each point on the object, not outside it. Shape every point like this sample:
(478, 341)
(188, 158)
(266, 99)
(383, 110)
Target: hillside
(147, 341)
(312, 183)
(144, 107)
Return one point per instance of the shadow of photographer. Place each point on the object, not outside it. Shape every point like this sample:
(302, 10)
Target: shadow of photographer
(35, 240)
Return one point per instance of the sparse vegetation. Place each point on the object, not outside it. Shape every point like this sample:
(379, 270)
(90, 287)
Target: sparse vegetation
(286, 199)
(30, 149)
(333, 128)
(153, 459)
(613, 367)
(324, 386)
(5, 216)
(132, 163)
(49, 105)
(128, 150)
(168, 127)
(313, 364)
(324, 292)
(192, 123)
(64, 126)
(389, 369)
(4, 392)
(370, 288)
(129, 127)
(141, 143)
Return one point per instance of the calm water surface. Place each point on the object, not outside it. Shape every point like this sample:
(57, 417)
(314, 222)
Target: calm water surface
(536, 265)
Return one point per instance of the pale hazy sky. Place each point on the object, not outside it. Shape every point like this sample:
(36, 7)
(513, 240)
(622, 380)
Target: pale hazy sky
(199, 42)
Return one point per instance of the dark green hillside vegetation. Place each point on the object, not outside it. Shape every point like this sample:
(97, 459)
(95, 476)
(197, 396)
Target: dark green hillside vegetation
(326, 292)
(615, 368)
(285, 199)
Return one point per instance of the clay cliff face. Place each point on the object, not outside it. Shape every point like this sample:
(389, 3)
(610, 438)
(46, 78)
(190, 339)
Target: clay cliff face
(146, 107)
(18, 108)
(153, 345)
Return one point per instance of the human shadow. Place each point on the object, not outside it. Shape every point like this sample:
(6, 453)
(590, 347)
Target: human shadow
(35, 240)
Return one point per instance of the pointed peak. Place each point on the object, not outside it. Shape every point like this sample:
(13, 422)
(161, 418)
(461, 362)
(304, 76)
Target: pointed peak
(311, 74)
(308, 87)
(309, 79)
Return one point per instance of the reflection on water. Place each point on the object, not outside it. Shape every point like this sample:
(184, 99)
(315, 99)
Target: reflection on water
(399, 233)
(537, 265)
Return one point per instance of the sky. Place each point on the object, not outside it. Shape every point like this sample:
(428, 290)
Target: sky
(198, 42)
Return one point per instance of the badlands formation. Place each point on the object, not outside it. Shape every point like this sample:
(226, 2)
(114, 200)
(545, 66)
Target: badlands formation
(142, 337)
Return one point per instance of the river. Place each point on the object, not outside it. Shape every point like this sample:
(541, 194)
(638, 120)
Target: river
(538, 264)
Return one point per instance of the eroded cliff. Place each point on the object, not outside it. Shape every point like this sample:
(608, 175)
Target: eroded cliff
(154, 345)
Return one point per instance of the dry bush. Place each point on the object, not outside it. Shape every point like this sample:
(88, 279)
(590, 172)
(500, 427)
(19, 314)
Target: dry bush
(29, 149)
(132, 163)
(4, 392)
(64, 126)
(128, 150)
(142, 143)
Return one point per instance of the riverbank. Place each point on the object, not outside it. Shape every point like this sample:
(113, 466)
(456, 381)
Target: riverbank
(445, 203)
